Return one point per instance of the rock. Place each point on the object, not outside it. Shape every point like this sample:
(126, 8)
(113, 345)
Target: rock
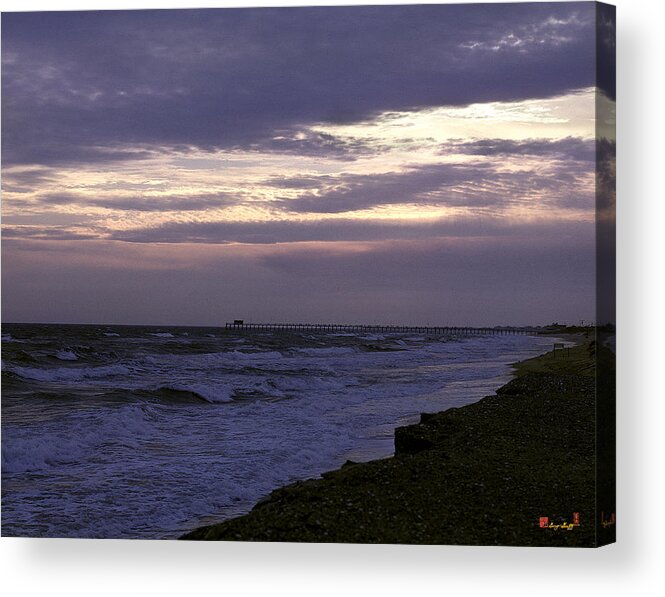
(413, 439)
(425, 417)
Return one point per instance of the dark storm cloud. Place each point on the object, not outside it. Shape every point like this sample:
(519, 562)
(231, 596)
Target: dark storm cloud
(98, 86)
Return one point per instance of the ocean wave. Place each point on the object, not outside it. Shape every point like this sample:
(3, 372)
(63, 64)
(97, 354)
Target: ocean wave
(21, 356)
(216, 392)
(212, 392)
(253, 356)
(141, 433)
(66, 355)
(38, 453)
(67, 373)
(215, 359)
(54, 446)
(326, 352)
(168, 394)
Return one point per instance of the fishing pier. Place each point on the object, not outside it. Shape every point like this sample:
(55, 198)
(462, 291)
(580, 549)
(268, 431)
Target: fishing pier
(240, 325)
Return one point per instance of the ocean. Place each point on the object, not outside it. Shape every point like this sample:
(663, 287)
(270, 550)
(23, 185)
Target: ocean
(149, 432)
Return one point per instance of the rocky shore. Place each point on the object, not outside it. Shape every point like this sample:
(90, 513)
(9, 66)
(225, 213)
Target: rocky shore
(483, 474)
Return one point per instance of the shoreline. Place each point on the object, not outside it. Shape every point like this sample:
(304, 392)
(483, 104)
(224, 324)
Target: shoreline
(483, 473)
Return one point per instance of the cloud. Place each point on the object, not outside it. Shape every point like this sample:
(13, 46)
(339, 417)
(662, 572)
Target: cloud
(359, 192)
(569, 148)
(148, 203)
(89, 87)
(475, 186)
(59, 233)
(606, 179)
(340, 230)
(465, 280)
(606, 49)
(304, 142)
(551, 32)
(26, 181)
(481, 280)
(299, 182)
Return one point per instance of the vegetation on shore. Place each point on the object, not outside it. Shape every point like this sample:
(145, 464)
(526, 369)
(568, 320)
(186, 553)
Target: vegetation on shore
(485, 473)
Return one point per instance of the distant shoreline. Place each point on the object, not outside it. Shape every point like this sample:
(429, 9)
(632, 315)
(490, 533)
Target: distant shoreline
(481, 474)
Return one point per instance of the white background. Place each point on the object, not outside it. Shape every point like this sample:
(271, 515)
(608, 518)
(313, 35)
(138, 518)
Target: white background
(86, 567)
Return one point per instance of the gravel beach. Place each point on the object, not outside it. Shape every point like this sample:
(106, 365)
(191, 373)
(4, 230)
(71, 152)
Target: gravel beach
(484, 474)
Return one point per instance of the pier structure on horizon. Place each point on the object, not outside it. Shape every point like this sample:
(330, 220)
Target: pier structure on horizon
(241, 325)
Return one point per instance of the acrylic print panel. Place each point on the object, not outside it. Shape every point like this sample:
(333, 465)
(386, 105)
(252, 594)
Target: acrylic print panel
(327, 274)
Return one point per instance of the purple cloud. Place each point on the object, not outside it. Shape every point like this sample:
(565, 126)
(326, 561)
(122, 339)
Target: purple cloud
(97, 86)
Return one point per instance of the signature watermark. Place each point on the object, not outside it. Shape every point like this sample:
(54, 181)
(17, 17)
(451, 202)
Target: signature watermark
(564, 526)
(608, 522)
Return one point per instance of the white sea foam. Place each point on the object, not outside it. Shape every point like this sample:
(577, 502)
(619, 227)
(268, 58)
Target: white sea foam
(55, 445)
(66, 355)
(38, 452)
(162, 335)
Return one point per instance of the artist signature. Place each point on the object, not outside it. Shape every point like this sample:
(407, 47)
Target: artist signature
(569, 526)
(609, 522)
(564, 526)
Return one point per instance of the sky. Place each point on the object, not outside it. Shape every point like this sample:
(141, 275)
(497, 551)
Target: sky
(430, 165)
